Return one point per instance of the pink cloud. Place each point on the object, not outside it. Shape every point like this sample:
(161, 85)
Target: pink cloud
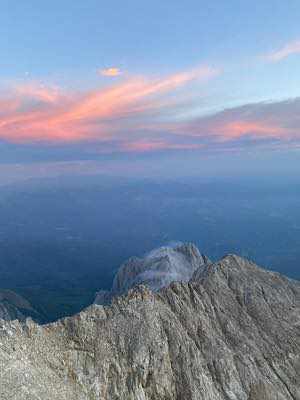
(245, 126)
(287, 50)
(141, 115)
(96, 115)
(239, 128)
(38, 91)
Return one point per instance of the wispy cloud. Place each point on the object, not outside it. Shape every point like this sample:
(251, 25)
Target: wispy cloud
(38, 91)
(250, 125)
(110, 72)
(42, 114)
(140, 115)
(284, 52)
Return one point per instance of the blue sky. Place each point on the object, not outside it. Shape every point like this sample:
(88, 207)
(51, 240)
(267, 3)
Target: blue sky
(111, 82)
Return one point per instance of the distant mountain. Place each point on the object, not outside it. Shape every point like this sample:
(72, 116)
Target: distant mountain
(13, 306)
(54, 253)
(232, 332)
(156, 269)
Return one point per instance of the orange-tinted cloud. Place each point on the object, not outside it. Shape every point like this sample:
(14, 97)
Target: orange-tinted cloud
(239, 128)
(111, 72)
(141, 115)
(245, 126)
(38, 113)
(38, 91)
(286, 51)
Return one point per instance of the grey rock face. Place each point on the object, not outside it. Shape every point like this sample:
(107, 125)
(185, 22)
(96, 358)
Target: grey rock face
(13, 306)
(231, 333)
(155, 270)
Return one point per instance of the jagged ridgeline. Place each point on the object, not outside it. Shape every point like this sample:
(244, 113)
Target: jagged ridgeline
(224, 331)
(13, 306)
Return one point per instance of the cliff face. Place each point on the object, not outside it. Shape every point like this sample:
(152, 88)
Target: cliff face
(13, 306)
(231, 333)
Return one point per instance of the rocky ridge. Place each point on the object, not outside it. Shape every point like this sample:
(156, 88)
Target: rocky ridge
(13, 306)
(231, 333)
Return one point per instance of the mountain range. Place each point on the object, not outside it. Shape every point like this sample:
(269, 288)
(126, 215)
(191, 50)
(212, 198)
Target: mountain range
(174, 326)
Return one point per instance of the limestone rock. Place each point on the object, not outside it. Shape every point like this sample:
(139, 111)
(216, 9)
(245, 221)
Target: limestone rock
(156, 269)
(231, 333)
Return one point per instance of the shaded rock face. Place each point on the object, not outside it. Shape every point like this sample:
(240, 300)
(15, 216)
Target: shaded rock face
(231, 333)
(13, 306)
(156, 269)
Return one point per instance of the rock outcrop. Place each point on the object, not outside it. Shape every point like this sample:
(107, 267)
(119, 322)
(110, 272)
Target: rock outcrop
(231, 333)
(156, 269)
(13, 306)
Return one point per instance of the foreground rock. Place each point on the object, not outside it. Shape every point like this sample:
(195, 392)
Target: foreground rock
(231, 333)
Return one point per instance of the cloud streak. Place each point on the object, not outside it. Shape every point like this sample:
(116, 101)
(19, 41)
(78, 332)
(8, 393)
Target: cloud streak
(286, 51)
(141, 115)
(35, 113)
(251, 126)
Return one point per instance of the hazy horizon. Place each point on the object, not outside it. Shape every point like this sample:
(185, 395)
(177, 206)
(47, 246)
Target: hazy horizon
(125, 126)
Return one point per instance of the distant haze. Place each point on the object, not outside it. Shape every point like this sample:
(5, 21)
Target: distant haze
(63, 238)
(127, 125)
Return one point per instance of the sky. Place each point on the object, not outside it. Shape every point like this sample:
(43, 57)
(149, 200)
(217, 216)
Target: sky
(149, 88)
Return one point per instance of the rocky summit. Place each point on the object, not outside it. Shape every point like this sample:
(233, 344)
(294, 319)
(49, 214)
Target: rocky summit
(156, 269)
(231, 332)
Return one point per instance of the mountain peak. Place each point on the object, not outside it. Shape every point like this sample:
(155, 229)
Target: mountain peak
(156, 269)
(231, 332)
